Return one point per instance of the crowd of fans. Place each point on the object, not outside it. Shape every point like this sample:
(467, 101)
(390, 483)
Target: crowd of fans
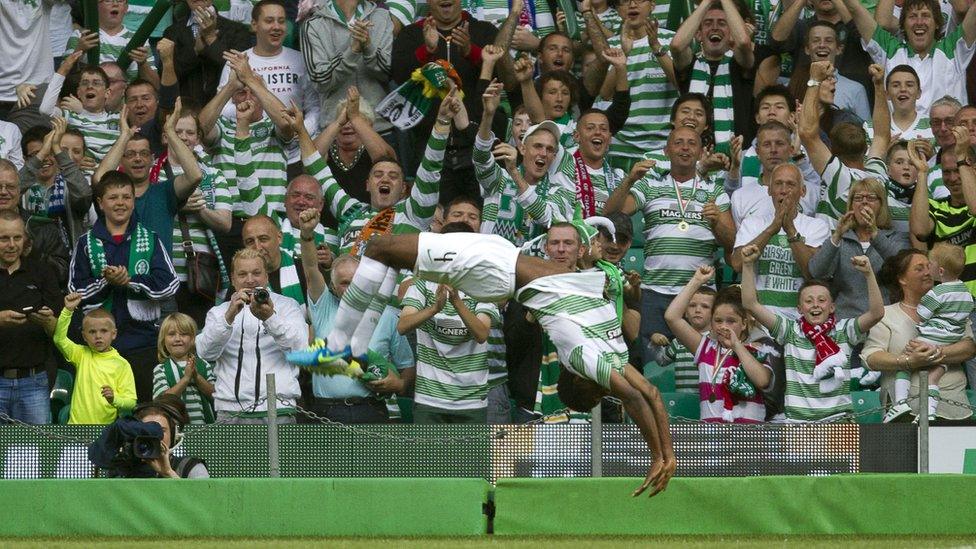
(197, 212)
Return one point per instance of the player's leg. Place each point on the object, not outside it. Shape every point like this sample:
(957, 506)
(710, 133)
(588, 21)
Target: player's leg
(653, 397)
(384, 255)
(637, 407)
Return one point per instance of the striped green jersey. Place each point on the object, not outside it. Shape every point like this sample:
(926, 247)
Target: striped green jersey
(835, 191)
(109, 49)
(138, 10)
(944, 311)
(580, 322)
(685, 369)
(610, 18)
(257, 165)
(496, 11)
(219, 197)
(953, 224)
(497, 365)
(520, 217)
(191, 396)
(804, 400)
(452, 368)
(413, 214)
(408, 11)
(598, 177)
(778, 277)
(291, 236)
(651, 98)
(672, 255)
(101, 130)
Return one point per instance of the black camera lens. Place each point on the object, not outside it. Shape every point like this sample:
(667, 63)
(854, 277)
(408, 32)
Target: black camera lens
(261, 295)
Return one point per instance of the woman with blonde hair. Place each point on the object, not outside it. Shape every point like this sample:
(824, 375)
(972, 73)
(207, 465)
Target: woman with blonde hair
(864, 230)
(180, 372)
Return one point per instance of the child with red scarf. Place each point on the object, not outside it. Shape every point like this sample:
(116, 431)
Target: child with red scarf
(729, 371)
(816, 347)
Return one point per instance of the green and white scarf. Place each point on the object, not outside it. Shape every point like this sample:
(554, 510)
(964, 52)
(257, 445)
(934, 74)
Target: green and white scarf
(512, 226)
(547, 401)
(291, 286)
(174, 373)
(720, 86)
(142, 244)
(210, 194)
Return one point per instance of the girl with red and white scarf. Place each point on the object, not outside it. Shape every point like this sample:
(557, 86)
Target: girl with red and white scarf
(731, 375)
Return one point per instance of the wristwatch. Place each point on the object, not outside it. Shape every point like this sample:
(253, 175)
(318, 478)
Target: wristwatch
(660, 53)
(965, 162)
(795, 238)
(811, 83)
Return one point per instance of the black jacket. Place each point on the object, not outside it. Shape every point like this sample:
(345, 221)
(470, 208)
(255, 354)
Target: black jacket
(46, 246)
(27, 345)
(404, 61)
(199, 74)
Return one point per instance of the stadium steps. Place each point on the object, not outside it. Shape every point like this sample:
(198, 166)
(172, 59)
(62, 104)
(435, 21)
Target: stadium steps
(61, 394)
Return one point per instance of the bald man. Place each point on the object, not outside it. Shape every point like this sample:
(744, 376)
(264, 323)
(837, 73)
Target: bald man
(285, 275)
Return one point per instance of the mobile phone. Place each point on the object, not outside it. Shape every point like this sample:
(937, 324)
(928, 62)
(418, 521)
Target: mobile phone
(27, 310)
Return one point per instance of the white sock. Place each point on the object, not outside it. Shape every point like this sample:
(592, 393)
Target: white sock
(359, 344)
(902, 385)
(933, 400)
(355, 301)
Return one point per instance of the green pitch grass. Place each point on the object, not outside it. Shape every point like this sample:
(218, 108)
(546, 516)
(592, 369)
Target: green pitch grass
(549, 542)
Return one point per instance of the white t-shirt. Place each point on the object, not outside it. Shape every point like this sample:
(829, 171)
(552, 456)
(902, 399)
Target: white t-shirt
(24, 45)
(778, 277)
(10, 144)
(286, 78)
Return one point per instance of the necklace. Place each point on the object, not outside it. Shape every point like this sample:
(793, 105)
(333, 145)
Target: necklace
(334, 155)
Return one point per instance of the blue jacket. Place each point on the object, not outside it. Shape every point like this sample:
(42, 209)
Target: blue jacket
(135, 320)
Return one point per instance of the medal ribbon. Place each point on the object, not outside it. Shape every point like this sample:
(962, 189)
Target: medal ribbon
(683, 205)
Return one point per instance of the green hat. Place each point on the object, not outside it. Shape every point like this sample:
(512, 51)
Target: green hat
(588, 228)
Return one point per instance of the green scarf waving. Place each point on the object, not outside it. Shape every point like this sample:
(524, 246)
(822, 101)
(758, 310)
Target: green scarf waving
(142, 244)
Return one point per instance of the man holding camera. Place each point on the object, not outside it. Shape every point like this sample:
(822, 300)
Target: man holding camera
(29, 301)
(246, 338)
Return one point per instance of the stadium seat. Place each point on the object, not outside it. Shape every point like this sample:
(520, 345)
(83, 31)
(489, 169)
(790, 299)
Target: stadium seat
(867, 400)
(638, 220)
(406, 409)
(683, 405)
(661, 376)
(61, 393)
(63, 414)
(634, 259)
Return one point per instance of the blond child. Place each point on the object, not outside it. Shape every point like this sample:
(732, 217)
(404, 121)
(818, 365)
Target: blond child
(180, 372)
(104, 385)
(698, 313)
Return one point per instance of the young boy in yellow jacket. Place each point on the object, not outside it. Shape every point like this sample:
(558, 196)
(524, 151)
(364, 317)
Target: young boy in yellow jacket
(104, 385)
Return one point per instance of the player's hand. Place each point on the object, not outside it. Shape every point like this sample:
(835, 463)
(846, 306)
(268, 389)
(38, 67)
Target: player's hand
(657, 479)
(108, 394)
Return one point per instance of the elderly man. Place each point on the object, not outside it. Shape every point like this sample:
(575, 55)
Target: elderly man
(343, 398)
(686, 220)
(246, 338)
(122, 265)
(285, 275)
(30, 300)
(304, 193)
(786, 240)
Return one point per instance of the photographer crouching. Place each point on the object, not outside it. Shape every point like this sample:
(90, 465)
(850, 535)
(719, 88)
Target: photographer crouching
(140, 446)
(246, 338)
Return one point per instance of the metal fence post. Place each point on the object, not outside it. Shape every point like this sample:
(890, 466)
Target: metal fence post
(275, 470)
(596, 440)
(923, 424)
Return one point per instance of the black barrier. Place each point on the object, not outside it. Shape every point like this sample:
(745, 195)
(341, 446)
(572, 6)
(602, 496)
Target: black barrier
(491, 452)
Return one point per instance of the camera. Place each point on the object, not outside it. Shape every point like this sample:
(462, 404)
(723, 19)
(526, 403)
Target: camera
(144, 447)
(124, 445)
(261, 296)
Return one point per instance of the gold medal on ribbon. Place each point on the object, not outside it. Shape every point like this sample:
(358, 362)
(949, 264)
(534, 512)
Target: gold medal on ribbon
(683, 226)
(683, 204)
